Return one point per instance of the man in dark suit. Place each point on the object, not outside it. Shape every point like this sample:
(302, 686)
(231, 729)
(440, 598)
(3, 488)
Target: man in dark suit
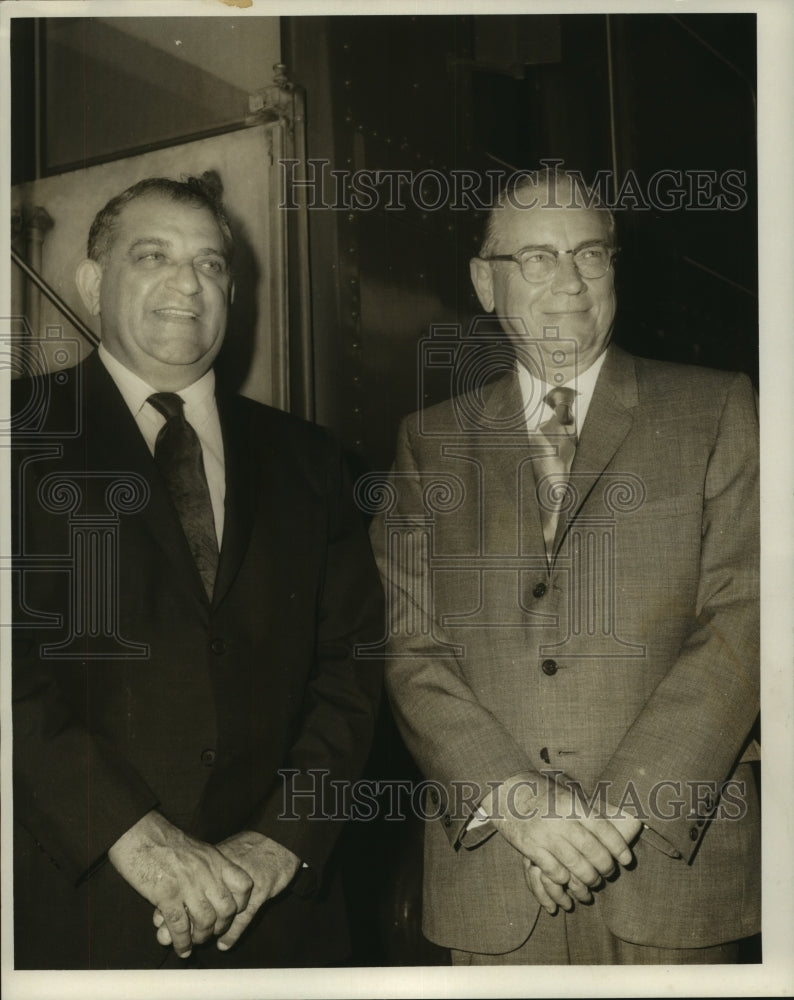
(191, 581)
(572, 556)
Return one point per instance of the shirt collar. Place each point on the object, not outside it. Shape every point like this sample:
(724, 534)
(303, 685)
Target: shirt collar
(136, 392)
(534, 391)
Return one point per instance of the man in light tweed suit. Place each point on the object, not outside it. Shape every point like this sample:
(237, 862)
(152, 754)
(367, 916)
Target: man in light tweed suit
(571, 558)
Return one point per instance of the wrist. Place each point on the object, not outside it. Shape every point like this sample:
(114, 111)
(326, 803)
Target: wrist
(152, 828)
(517, 798)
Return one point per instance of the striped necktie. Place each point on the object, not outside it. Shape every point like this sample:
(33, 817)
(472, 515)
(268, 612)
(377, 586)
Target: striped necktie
(552, 470)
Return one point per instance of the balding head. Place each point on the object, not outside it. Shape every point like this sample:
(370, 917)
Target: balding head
(547, 188)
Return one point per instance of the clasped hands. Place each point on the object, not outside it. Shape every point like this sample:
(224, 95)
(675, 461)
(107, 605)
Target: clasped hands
(565, 854)
(200, 890)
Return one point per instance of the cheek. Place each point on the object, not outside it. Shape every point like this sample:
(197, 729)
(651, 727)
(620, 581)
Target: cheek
(521, 299)
(131, 297)
(607, 298)
(506, 293)
(218, 308)
(215, 293)
(608, 306)
(215, 321)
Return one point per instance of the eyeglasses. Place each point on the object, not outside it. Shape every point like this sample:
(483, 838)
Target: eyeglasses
(539, 265)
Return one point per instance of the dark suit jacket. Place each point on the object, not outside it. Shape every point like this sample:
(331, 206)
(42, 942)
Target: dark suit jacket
(133, 692)
(631, 662)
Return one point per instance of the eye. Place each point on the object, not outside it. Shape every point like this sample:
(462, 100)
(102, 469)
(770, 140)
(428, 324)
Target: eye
(592, 253)
(212, 265)
(151, 257)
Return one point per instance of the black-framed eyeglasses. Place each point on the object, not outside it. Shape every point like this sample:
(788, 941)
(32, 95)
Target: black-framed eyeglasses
(538, 265)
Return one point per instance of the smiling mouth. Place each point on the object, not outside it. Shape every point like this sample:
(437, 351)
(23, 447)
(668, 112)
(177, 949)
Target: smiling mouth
(180, 315)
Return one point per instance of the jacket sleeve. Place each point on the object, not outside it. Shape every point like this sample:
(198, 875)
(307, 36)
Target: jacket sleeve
(306, 811)
(686, 741)
(73, 792)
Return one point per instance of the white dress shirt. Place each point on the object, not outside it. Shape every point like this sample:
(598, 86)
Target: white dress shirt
(201, 412)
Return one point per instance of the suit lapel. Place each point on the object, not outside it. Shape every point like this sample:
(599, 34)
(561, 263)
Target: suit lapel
(242, 480)
(508, 450)
(608, 421)
(113, 442)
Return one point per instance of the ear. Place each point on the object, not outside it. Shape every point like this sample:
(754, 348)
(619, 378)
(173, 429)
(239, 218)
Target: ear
(482, 279)
(88, 279)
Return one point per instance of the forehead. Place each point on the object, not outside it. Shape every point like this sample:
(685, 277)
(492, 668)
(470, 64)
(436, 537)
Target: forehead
(560, 228)
(171, 221)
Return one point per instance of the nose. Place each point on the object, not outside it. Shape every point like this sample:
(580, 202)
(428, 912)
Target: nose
(567, 278)
(183, 277)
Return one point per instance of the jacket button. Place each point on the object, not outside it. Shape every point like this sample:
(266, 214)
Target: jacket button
(544, 755)
(549, 667)
(693, 834)
(207, 758)
(434, 796)
(218, 646)
(539, 590)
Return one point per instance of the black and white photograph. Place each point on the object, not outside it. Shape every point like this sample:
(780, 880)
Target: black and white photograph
(396, 488)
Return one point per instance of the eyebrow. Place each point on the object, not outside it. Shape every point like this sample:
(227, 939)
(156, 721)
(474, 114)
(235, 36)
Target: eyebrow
(552, 249)
(147, 241)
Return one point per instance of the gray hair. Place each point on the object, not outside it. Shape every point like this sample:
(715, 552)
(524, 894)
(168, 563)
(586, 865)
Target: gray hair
(547, 184)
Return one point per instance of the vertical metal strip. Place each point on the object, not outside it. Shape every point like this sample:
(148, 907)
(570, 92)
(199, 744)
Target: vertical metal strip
(279, 314)
(292, 344)
(38, 72)
(612, 126)
(300, 266)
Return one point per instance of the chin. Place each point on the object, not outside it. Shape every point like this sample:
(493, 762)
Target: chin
(185, 352)
(180, 360)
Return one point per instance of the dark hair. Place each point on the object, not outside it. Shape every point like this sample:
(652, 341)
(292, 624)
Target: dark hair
(204, 192)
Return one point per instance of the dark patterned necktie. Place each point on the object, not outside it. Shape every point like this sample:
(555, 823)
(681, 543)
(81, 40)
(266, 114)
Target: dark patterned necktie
(177, 453)
(553, 469)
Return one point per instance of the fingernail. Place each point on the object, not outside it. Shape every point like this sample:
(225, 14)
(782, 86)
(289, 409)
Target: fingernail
(222, 946)
(186, 954)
